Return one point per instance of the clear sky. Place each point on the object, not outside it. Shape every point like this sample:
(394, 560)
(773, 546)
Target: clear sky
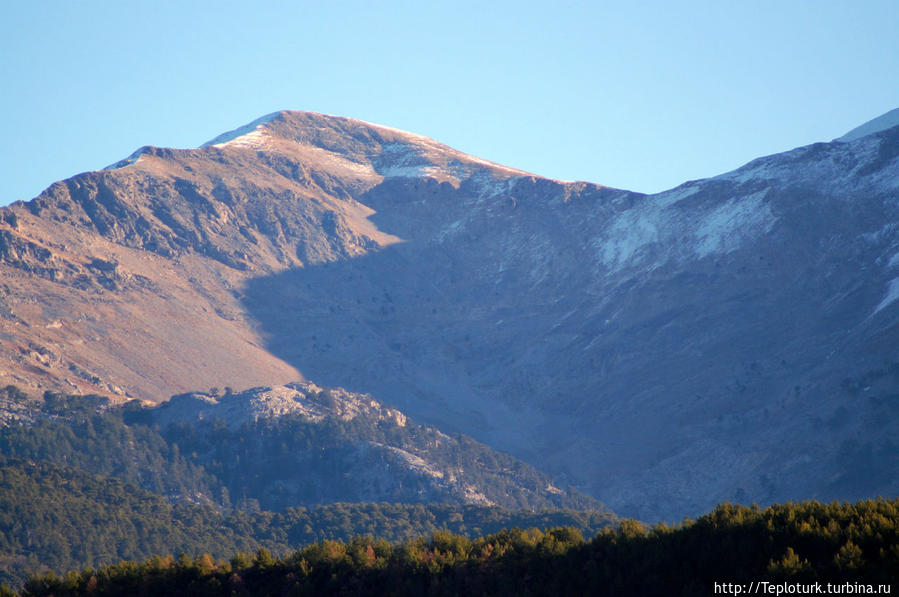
(637, 95)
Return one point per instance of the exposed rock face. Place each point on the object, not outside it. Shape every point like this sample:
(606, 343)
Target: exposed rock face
(733, 338)
(312, 445)
(303, 400)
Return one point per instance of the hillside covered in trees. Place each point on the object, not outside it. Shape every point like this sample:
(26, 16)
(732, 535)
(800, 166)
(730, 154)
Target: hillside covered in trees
(87, 483)
(202, 506)
(855, 546)
(273, 448)
(58, 519)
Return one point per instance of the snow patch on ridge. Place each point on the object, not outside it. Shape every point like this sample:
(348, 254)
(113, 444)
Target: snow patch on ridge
(130, 160)
(661, 228)
(329, 159)
(727, 226)
(891, 295)
(629, 233)
(409, 171)
(430, 144)
(428, 159)
(249, 134)
(675, 195)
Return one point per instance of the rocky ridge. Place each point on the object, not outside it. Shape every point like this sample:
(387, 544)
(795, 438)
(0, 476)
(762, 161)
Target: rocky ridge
(303, 399)
(316, 445)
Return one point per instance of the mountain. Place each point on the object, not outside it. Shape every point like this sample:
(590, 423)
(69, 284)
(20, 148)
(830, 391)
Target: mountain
(733, 338)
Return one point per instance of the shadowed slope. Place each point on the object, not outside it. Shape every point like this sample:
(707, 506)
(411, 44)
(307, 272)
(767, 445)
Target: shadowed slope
(726, 340)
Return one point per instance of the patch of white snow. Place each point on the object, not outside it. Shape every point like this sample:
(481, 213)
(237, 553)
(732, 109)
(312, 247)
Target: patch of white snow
(678, 194)
(727, 226)
(891, 296)
(249, 133)
(324, 158)
(659, 229)
(129, 161)
(628, 234)
(408, 171)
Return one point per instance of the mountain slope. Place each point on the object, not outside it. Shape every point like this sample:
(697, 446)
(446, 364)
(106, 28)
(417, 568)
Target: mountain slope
(733, 338)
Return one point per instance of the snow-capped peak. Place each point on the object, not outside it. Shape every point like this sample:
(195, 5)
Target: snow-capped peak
(244, 131)
(881, 123)
(130, 160)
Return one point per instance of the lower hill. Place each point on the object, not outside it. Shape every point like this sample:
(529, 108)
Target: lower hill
(59, 518)
(86, 482)
(273, 448)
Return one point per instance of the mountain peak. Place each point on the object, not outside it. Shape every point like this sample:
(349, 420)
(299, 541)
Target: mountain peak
(382, 150)
(881, 123)
(299, 125)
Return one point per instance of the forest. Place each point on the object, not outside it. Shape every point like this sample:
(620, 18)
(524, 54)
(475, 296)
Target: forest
(83, 483)
(850, 545)
(271, 463)
(96, 499)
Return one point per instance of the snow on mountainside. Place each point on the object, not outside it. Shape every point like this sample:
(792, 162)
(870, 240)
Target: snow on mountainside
(730, 339)
(239, 135)
(400, 154)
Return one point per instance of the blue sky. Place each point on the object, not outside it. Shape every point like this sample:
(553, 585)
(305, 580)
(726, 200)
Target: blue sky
(638, 95)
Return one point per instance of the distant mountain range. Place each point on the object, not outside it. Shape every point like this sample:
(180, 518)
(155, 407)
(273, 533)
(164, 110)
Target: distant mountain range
(734, 338)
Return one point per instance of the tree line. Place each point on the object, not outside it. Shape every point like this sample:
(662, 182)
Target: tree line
(58, 518)
(796, 542)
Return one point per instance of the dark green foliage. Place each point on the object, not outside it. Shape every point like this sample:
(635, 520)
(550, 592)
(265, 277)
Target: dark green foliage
(57, 517)
(264, 460)
(808, 542)
(82, 432)
(83, 483)
(13, 394)
(60, 518)
(270, 464)
(75, 475)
